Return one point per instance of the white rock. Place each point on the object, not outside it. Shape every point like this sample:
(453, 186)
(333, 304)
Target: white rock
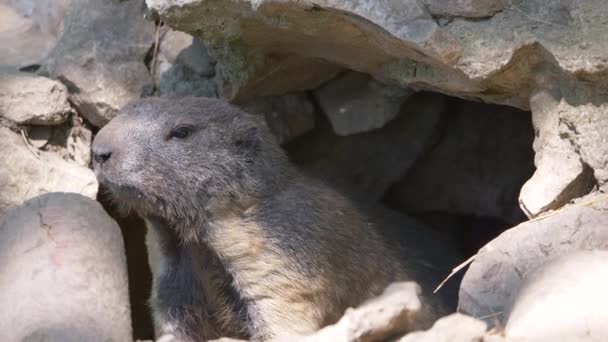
(453, 328)
(571, 147)
(30, 99)
(64, 274)
(26, 172)
(493, 279)
(563, 300)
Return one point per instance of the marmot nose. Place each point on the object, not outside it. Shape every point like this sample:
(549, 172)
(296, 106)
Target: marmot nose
(101, 154)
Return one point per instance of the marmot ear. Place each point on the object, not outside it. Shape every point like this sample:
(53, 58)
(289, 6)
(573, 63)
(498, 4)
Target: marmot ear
(247, 140)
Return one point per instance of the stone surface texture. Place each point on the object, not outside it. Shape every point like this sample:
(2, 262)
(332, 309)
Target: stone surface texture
(356, 103)
(567, 294)
(100, 56)
(28, 30)
(452, 328)
(26, 172)
(571, 147)
(64, 272)
(492, 280)
(464, 8)
(493, 59)
(30, 99)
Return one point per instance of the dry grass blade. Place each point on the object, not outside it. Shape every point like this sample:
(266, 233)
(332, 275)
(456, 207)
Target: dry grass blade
(584, 203)
(28, 144)
(454, 271)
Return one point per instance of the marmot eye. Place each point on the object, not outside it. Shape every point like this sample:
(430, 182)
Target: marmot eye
(180, 132)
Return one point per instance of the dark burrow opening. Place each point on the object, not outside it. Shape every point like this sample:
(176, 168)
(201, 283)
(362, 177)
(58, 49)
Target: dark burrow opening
(463, 176)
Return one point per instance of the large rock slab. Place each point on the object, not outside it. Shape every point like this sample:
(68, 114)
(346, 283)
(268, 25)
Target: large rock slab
(263, 43)
(30, 99)
(26, 172)
(100, 56)
(478, 166)
(563, 300)
(493, 279)
(63, 275)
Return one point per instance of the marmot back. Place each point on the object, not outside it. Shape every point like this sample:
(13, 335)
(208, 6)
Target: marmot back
(241, 243)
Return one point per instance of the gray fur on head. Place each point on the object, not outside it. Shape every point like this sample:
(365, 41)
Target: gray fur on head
(228, 162)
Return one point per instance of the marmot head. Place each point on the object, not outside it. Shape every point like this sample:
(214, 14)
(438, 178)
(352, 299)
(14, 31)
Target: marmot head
(187, 160)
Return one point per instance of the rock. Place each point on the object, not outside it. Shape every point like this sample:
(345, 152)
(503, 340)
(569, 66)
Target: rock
(571, 147)
(563, 299)
(191, 73)
(140, 279)
(327, 31)
(455, 327)
(26, 172)
(71, 140)
(27, 32)
(368, 163)
(190, 53)
(100, 56)
(47, 15)
(390, 314)
(262, 45)
(492, 280)
(185, 68)
(288, 116)
(476, 169)
(78, 144)
(64, 272)
(171, 43)
(196, 58)
(464, 8)
(181, 81)
(356, 103)
(30, 99)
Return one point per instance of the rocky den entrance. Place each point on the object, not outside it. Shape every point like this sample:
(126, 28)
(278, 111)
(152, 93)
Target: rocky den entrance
(485, 120)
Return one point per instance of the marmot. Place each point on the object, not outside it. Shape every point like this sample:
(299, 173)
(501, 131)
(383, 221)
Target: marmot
(241, 243)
